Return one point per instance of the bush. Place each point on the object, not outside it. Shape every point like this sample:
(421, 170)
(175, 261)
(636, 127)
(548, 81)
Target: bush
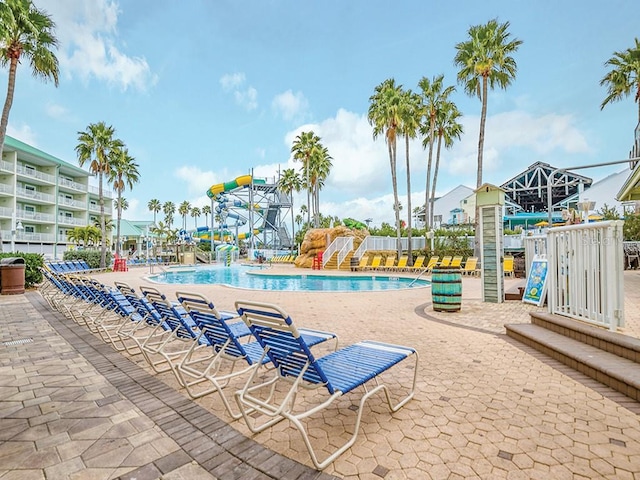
(92, 257)
(33, 263)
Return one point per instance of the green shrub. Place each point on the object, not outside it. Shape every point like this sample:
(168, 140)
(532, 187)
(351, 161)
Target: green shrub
(33, 262)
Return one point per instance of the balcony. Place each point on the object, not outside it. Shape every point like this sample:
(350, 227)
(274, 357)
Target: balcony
(96, 191)
(35, 216)
(6, 189)
(63, 182)
(6, 166)
(96, 209)
(31, 237)
(35, 174)
(63, 220)
(35, 195)
(66, 202)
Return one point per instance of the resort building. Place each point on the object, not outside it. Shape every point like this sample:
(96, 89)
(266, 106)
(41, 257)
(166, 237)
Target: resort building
(42, 198)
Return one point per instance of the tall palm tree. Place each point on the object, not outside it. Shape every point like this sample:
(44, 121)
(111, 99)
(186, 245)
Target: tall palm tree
(123, 172)
(96, 145)
(168, 208)
(183, 210)
(447, 129)
(154, 206)
(486, 61)
(25, 33)
(385, 116)
(195, 213)
(304, 147)
(288, 183)
(411, 114)
(434, 93)
(624, 77)
(319, 169)
(206, 211)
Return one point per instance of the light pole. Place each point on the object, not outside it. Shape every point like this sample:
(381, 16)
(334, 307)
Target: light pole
(15, 226)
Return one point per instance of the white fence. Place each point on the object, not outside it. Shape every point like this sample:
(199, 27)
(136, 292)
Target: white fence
(342, 245)
(534, 245)
(585, 279)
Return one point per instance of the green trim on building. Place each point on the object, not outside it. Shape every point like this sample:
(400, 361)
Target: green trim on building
(11, 143)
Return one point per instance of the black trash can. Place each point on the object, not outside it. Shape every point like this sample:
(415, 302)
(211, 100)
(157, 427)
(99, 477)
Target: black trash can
(12, 275)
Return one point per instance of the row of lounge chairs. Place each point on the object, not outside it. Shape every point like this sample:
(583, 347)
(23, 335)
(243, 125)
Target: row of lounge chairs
(256, 347)
(282, 259)
(71, 266)
(468, 267)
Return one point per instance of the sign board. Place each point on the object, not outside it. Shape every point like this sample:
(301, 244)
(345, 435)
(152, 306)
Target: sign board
(536, 286)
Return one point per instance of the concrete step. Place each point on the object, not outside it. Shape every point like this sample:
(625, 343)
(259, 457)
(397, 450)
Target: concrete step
(615, 371)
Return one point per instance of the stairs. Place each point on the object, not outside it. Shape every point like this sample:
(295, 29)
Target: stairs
(608, 357)
(332, 263)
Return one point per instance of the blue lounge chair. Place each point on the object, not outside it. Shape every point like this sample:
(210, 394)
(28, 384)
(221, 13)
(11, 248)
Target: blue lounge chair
(339, 373)
(233, 346)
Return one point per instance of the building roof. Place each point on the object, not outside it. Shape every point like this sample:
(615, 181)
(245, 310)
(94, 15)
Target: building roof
(630, 189)
(34, 154)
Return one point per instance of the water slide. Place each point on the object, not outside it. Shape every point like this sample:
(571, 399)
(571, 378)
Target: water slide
(239, 182)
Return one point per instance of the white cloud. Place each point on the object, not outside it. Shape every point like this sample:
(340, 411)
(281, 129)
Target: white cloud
(88, 36)
(291, 106)
(198, 181)
(245, 97)
(24, 133)
(56, 111)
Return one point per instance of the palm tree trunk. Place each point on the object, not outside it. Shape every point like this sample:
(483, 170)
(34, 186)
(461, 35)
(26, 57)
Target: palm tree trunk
(409, 213)
(427, 214)
(394, 182)
(435, 176)
(103, 226)
(483, 119)
(13, 66)
(119, 206)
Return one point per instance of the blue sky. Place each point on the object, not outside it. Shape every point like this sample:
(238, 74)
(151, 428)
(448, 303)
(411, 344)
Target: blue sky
(204, 91)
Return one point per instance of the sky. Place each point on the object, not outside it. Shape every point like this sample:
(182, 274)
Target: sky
(202, 91)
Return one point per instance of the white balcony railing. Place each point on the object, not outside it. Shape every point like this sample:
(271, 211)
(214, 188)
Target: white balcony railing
(71, 203)
(96, 191)
(71, 184)
(33, 173)
(71, 220)
(35, 216)
(31, 237)
(35, 195)
(6, 166)
(4, 188)
(585, 273)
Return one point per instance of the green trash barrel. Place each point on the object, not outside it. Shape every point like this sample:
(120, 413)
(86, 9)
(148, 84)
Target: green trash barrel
(446, 289)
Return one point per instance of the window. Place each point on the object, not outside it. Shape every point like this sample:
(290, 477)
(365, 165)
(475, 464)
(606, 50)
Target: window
(29, 208)
(29, 229)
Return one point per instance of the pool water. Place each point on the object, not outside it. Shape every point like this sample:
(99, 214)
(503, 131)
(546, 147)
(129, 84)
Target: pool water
(241, 277)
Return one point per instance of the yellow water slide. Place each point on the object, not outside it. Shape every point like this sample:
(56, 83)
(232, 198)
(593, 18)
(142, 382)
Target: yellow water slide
(239, 182)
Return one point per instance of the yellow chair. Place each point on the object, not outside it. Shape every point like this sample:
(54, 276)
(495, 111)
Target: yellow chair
(456, 261)
(363, 262)
(375, 263)
(446, 261)
(433, 261)
(508, 265)
(418, 264)
(470, 266)
(389, 263)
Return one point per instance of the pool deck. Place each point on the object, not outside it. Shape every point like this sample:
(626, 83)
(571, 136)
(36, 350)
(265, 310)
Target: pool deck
(486, 406)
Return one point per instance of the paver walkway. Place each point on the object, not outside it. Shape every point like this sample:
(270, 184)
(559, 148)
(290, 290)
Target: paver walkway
(487, 407)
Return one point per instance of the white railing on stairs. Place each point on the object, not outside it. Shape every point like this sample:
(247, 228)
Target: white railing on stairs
(585, 275)
(344, 251)
(336, 246)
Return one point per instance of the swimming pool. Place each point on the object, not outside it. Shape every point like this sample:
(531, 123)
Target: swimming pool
(241, 277)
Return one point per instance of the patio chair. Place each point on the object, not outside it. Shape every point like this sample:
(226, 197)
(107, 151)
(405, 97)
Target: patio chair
(389, 263)
(418, 264)
(508, 265)
(445, 262)
(339, 372)
(375, 263)
(402, 264)
(470, 266)
(230, 347)
(433, 261)
(362, 264)
(456, 261)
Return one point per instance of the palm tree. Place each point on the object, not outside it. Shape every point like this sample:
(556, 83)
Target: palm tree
(385, 116)
(485, 61)
(304, 147)
(319, 169)
(195, 213)
(206, 211)
(624, 77)
(447, 129)
(411, 113)
(85, 236)
(434, 94)
(169, 208)
(161, 231)
(288, 183)
(123, 173)
(154, 206)
(96, 146)
(184, 209)
(25, 33)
